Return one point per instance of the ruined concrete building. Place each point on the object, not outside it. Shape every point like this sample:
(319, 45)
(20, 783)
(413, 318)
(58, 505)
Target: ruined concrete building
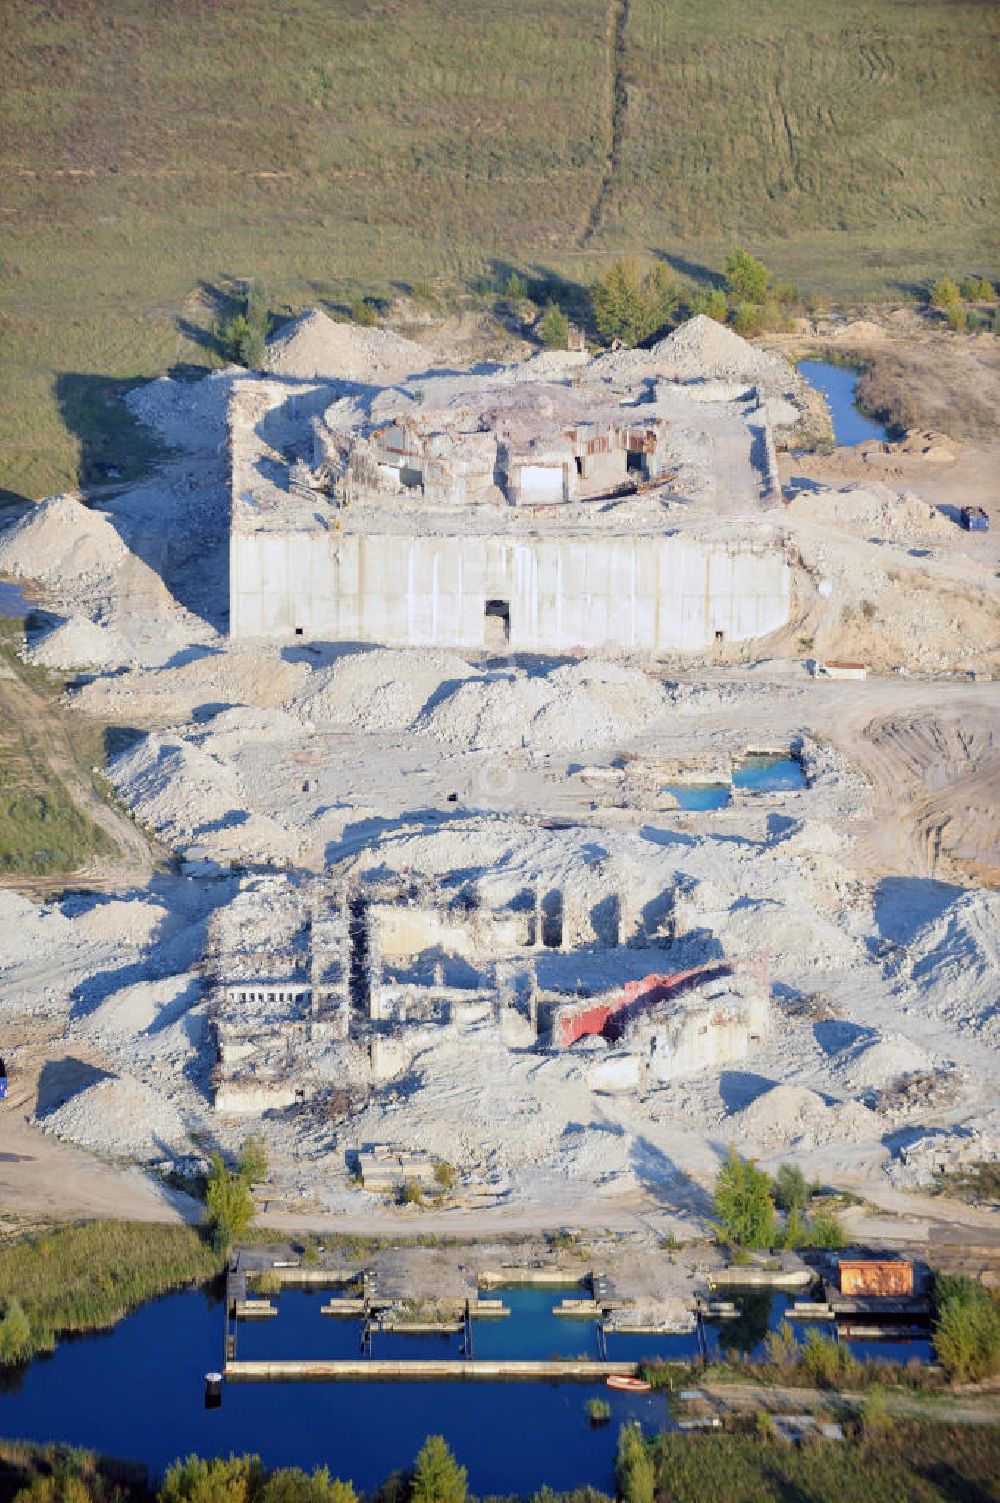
(546, 507)
(385, 969)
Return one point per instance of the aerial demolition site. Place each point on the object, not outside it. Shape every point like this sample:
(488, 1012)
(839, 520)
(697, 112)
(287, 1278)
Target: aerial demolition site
(544, 779)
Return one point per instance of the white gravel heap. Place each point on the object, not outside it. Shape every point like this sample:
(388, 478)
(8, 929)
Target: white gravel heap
(582, 704)
(74, 643)
(120, 1116)
(380, 690)
(177, 787)
(794, 1115)
(314, 345)
(59, 540)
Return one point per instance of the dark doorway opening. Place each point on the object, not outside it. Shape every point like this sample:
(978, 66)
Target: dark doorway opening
(635, 461)
(497, 624)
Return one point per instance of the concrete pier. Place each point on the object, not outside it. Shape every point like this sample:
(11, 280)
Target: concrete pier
(354, 1369)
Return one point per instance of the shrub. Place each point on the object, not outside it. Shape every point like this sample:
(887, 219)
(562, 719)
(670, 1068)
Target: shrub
(634, 1470)
(743, 1203)
(874, 1412)
(445, 1174)
(746, 277)
(598, 1411)
(411, 1193)
(16, 1344)
(292, 1485)
(515, 289)
(252, 1164)
(789, 1188)
(967, 1328)
(629, 304)
(944, 293)
(748, 319)
(553, 328)
(236, 1479)
(230, 1206)
(825, 1230)
(364, 312)
(781, 1347)
(796, 1233)
(956, 318)
(437, 1476)
(977, 290)
(712, 302)
(825, 1360)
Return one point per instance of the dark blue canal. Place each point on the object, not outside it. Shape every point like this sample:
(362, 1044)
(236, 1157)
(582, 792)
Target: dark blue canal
(137, 1391)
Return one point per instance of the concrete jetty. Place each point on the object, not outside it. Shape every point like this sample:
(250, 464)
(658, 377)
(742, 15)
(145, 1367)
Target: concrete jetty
(355, 1369)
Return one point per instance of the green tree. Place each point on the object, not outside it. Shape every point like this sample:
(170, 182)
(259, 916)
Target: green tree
(796, 1232)
(944, 293)
(233, 1479)
(553, 328)
(515, 289)
(629, 304)
(252, 1164)
(746, 277)
(445, 1175)
(789, 1188)
(956, 317)
(230, 1205)
(743, 1203)
(826, 1230)
(292, 1485)
(437, 1476)
(16, 1344)
(966, 1328)
(712, 302)
(635, 1474)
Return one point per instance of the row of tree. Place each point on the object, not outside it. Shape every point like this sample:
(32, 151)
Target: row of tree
(747, 1200)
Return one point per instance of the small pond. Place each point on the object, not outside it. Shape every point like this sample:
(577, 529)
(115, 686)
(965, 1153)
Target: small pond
(766, 773)
(838, 383)
(763, 1310)
(13, 602)
(700, 795)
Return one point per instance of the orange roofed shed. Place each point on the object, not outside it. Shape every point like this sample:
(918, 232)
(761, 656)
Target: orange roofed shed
(875, 1276)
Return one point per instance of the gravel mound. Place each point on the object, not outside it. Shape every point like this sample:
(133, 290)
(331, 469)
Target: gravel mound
(953, 963)
(702, 347)
(59, 540)
(119, 1116)
(874, 512)
(177, 788)
(383, 690)
(877, 1062)
(580, 705)
(313, 345)
(186, 414)
(793, 1115)
(74, 643)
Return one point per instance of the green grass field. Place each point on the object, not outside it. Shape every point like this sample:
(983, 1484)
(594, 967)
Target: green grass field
(151, 153)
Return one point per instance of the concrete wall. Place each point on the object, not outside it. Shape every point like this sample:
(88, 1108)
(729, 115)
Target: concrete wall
(655, 594)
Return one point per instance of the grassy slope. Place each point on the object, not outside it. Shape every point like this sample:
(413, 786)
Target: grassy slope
(42, 830)
(326, 148)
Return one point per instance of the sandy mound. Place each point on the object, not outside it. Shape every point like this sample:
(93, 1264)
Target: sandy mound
(119, 1116)
(702, 347)
(187, 414)
(878, 1062)
(61, 539)
(586, 704)
(74, 643)
(28, 929)
(177, 788)
(791, 1114)
(875, 511)
(953, 965)
(313, 345)
(383, 690)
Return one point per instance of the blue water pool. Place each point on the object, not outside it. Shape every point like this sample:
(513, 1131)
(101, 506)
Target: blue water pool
(137, 1391)
(838, 383)
(700, 795)
(769, 774)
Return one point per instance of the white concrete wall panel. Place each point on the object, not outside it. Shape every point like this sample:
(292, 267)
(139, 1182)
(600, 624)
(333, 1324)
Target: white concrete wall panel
(642, 594)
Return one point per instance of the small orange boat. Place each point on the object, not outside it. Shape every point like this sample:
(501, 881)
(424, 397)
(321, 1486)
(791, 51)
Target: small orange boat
(628, 1385)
